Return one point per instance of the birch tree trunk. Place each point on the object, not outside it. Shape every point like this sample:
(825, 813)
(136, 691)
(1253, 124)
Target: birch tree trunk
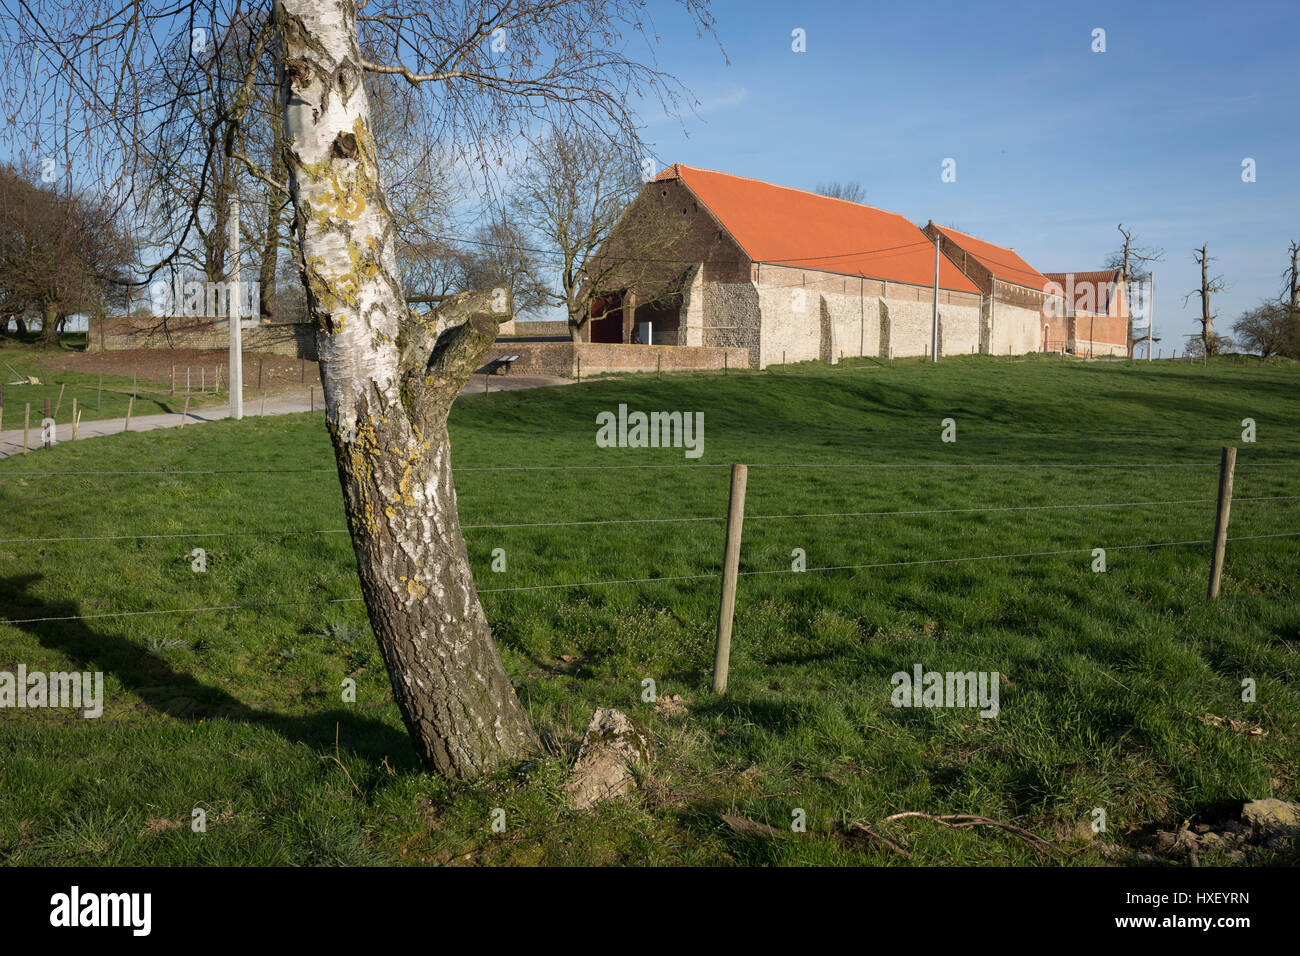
(390, 378)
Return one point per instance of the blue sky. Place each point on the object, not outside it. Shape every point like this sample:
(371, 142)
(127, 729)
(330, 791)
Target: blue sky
(1054, 144)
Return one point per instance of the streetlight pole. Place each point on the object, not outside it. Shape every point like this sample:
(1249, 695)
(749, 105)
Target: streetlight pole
(234, 303)
(934, 320)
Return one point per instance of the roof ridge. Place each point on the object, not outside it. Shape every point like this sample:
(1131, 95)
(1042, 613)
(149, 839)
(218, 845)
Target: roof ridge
(993, 259)
(796, 189)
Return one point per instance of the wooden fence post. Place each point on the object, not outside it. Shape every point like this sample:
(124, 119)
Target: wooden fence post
(76, 418)
(173, 379)
(1226, 467)
(59, 403)
(311, 389)
(129, 404)
(730, 566)
(185, 414)
(259, 373)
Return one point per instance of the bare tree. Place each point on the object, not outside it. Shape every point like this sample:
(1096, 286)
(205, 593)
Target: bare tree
(57, 251)
(390, 376)
(1210, 343)
(582, 195)
(851, 191)
(1265, 329)
(1291, 296)
(1133, 261)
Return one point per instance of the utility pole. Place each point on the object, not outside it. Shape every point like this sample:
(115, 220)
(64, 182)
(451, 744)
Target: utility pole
(234, 303)
(934, 320)
(1151, 311)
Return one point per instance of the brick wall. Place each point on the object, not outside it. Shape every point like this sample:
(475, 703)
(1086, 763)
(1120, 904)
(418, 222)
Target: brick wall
(1105, 333)
(561, 358)
(116, 333)
(535, 329)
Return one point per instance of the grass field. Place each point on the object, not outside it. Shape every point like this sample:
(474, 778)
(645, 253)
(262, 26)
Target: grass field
(1107, 678)
(98, 396)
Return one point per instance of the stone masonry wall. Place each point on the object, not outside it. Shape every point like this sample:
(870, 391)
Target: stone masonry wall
(810, 315)
(731, 318)
(117, 333)
(1016, 329)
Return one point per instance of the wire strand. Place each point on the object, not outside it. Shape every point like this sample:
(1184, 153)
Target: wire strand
(682, 577)
(792, 464)
(286, 532)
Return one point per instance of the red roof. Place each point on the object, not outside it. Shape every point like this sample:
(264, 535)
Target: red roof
(1099, 286)
(1002, 262)
(784, 226)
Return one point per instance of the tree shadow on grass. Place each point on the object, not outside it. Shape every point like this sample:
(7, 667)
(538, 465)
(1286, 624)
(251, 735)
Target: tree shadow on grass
(165, 690)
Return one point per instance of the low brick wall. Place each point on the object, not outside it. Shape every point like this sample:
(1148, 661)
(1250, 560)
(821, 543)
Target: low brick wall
(540, 329)
(117, 333)
(561, 358)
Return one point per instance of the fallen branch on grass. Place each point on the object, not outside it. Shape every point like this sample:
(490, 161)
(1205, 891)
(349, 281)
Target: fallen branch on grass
(877, 839)
(962, 821)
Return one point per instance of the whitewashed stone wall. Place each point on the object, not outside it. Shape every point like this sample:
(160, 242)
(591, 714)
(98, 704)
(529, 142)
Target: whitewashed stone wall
(788, 315)
(690, 326)
(1016, 328)
(959, 329)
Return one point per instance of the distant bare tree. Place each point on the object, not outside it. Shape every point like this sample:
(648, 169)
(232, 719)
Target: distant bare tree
(1210, 343)
(851, 191)
(1265, 329)
(574, 188)
(1133, 260)
(1291, 296)
(58, 251)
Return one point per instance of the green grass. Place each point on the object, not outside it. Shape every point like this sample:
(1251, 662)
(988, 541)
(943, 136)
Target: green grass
(1108, 675)
(98, 396)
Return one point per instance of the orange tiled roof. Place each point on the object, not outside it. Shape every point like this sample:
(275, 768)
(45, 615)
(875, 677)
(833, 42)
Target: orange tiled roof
(784, 226)
(1002, 262)
(1100, 283)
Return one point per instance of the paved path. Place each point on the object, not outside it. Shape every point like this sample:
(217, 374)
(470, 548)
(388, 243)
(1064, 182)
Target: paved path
(285, 403)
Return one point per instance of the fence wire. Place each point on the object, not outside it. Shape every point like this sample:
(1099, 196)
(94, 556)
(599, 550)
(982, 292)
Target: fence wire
(992, 509)
(682, 577)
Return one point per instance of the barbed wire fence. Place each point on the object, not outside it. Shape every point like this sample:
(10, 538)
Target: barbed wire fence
(728, 571)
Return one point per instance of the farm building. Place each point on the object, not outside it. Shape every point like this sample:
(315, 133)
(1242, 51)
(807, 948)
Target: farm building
(787, 275)
(1017, 298)
(1095, 320)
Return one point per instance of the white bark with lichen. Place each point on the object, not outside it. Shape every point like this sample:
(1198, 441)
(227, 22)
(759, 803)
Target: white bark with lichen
(390, 378)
